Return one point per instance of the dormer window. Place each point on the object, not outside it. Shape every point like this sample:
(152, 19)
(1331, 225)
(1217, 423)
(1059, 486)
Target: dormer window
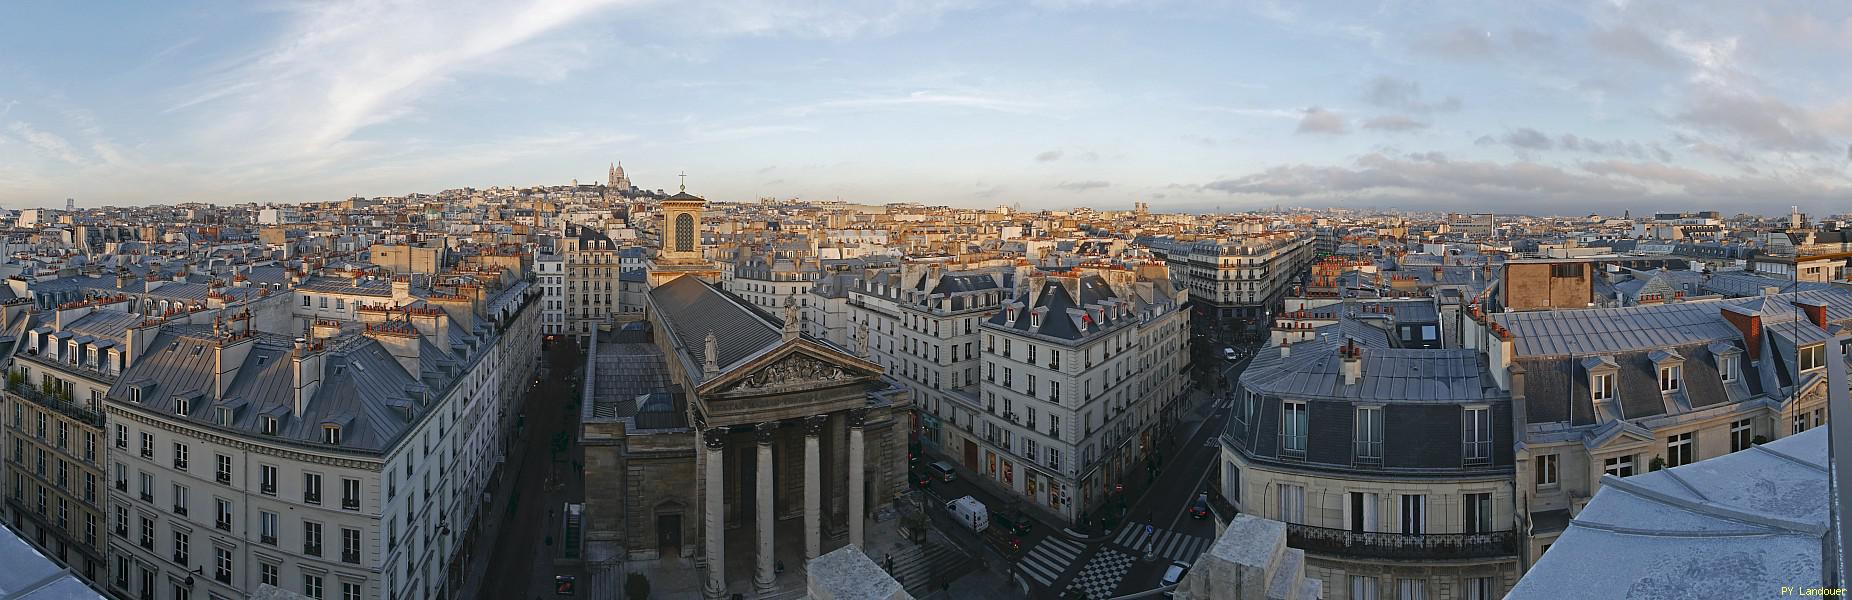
(1035, 319)
(135, 395)
(1603, 386)
(270, 425)
(1602, 371)
(181, 408)
(1009, 316)
(1813, 357)
(331, 435)
(224, 417)
(1669, 377)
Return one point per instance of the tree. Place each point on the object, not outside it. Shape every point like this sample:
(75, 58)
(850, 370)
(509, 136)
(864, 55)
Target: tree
(636, 587)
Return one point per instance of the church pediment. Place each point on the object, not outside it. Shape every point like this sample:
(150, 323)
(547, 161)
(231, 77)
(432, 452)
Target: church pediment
(794, 367)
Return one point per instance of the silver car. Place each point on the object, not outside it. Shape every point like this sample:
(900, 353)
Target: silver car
(1172, 575)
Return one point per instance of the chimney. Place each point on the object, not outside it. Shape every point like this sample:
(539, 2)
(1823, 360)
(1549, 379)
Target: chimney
(307, 361)
(1748, 322)
(1351, 366)
(227, 358)
(1814, 309)
(1286, 347)
(400, 339)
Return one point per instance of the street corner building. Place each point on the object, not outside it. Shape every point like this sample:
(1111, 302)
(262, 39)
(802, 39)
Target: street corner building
(720, 437)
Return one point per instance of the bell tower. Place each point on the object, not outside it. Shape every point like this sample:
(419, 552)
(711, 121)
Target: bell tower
(681, 252)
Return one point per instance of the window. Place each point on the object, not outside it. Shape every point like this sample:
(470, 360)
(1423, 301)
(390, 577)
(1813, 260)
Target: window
(181, 499)
(1668, 378)
(1799, 424)
(305, 301)
(1369, 433)
(1731, 369)
(1546, 469)
(1411, 589)
(1292, 503)
(331, 435)
(122, 436)
(122, 521)
(181, 539)
(1476, 434)
(350, 494)
(269, 425)
(1566, 270)
(1363, 587)
(267, 478)
(1620, 466)
(180, 456)
(1603, 388)
(1363, 512)
(312, 584)
(350, 545)
(1476, 588)
(89, 447)
(1742, 435)
(1813, 357)
(1478, 515)
(147, 487)
(222, 513)
(267, 573)
(1292, 426)
(147, 533)
(222, 565)
(311, 488)
(224, 468)
(1414, 513)
(311, 538)
(267, 522)
(1680, 450)
(223, 416)
(147, 445)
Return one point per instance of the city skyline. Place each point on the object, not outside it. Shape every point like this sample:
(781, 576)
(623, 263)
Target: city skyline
(1568, 109)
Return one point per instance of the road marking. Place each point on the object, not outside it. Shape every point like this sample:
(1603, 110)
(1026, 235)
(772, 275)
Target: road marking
(1049, 559)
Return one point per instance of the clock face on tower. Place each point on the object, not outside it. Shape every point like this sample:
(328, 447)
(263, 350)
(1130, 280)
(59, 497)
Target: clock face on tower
(684, 232)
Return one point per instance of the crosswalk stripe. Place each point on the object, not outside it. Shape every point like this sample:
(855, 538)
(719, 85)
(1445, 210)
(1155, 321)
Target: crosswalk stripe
(1039, 572)
(1124, 533)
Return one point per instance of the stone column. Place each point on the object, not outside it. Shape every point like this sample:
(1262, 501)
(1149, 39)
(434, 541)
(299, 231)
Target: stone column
(715, 516)
(764, 577)
(813, 486)
(856, 418)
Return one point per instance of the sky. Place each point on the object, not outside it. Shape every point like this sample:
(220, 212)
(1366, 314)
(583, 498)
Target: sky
(1522, 107)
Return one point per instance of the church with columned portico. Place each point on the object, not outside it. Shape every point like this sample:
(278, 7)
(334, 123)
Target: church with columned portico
(720, 438)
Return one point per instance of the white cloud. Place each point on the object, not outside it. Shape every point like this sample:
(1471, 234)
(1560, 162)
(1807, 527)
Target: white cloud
(46, 143)
(341, 67)
(1319, 120)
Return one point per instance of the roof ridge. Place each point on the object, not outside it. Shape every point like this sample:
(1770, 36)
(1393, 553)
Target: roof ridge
(1788, 457)
(1711, 508)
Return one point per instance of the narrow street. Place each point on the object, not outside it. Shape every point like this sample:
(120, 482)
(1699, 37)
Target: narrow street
(525, 497)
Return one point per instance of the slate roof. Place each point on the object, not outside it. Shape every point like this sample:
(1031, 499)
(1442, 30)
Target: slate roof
(361, 384)
(1734, 526)
(1389, 375)
(691, 308)
(1063, 317)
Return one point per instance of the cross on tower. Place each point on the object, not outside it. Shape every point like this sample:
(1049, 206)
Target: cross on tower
(684, 176)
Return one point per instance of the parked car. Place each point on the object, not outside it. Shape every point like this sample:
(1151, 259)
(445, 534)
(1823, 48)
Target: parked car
(1199, 508)
(1228, 353)
(1014, 523)
(943, 470)
(1172, 575)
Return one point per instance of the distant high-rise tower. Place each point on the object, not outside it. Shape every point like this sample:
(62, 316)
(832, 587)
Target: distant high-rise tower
(70, 204)
(618, 179)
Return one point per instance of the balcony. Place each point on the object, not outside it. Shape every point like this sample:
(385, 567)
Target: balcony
(180, 463)
(350, 556)
(350, 503)
(122, 486)
(1323, 540)
(222, 577)
(224, 477)
(223, 525)
(312, 549)
(267, 539)
(180, 510)
(268, 488)
(147, 497)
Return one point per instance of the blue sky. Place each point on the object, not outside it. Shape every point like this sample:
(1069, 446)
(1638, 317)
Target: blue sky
(1552, 107)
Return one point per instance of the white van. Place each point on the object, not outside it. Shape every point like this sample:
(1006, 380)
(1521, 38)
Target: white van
(970, 513)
